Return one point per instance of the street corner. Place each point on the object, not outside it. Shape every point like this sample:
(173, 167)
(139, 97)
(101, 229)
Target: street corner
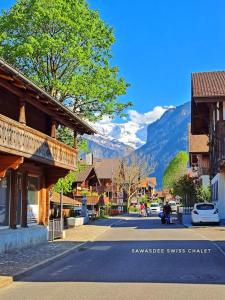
(5, 280)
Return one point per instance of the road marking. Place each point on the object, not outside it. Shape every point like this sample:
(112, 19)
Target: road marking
(209, 240)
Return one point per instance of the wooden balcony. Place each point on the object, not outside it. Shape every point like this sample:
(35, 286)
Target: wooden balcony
(21, 140)
(218, 145)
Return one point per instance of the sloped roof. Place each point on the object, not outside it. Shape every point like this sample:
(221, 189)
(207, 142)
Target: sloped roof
(83, 175)
(208, 84)
(198, 143)
(66, 200)
(21, 85)
(106, 166)
(145, 182)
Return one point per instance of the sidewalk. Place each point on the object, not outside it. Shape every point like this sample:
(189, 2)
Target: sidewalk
(14, 265)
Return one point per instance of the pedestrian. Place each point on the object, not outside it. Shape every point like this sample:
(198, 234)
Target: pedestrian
(167, 211)
(143, 211)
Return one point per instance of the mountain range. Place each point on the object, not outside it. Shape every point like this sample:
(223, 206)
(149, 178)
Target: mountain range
(164, 138)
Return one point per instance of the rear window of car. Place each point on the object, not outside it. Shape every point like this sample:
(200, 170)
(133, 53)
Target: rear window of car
(205, 206)
(154, 205)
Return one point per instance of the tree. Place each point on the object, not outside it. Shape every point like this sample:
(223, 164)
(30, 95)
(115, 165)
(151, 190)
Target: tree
(176, 169)
(185, 188)
(66, 184)
(65, 48)
(129, 174)
(203, 194)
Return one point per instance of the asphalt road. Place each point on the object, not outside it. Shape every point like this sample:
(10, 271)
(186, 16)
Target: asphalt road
(138, 258)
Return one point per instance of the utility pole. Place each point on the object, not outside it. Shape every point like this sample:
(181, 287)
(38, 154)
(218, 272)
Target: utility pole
(61, 211)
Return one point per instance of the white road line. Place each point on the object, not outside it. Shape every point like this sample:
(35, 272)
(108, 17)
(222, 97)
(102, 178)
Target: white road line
(207, 239)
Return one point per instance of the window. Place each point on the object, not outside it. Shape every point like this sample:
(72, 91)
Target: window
(223, 110)
(33, 200)
(4, 200)
(205, 207)
(215, 191)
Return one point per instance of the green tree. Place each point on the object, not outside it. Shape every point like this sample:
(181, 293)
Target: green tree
(185, 188)
(203, 194)
(66, 184)
(176, 168)
(65, 47)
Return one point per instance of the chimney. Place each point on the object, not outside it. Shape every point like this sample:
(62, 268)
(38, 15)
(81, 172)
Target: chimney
(89, 159)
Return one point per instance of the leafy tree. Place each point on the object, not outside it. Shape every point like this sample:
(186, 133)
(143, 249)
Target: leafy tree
(129, 174)
(176, 169)
(65, 135)
(186, 189)
(64, 47)
(203, 194)
(66, 184)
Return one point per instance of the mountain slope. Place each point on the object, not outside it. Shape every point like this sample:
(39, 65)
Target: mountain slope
(106, 147)
(166, 137)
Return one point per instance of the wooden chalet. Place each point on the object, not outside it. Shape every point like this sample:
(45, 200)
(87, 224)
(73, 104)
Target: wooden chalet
(198, 149)
(31, 157)
(147, 187)
(208, 118)
(105, 169)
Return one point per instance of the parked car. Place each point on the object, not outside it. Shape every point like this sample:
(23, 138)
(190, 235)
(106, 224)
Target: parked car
(91, 213)
(205, 213)
(154, 208)
(173, 205)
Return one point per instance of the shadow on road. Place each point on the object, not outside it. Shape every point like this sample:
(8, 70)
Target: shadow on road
(154, 261)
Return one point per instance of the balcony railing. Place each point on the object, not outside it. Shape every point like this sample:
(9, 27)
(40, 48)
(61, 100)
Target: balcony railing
(21, 140)
(218, 150)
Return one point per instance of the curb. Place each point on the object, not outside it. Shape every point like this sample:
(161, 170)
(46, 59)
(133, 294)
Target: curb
(7, 280)
(44, 263)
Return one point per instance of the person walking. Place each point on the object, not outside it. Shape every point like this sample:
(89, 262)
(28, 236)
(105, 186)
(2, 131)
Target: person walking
(167, 211)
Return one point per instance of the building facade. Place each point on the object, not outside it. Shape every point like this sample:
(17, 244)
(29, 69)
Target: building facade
(198, 148)
(208, 118)
(31, 157)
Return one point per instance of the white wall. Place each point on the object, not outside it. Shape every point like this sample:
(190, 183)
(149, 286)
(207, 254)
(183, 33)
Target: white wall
(205, 180)
(220, 177)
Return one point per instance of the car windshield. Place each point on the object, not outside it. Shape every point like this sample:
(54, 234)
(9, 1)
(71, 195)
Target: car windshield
(154, 205)
(205, 206)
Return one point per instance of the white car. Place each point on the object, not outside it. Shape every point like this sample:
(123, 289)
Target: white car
(173, 205)
(205, 213)
(154, 208)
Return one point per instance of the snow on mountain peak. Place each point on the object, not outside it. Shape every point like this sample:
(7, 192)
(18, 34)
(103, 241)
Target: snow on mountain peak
(133, 130)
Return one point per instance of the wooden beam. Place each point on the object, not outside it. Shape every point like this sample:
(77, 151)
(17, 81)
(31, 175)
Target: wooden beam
(22, 112)
(75, 140)
(24, 199)
(9, 162)
(53, 128)
(9, 78)
(13, 200)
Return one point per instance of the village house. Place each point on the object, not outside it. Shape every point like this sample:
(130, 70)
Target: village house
(106, 168)
(199, 158)
(88, 184)
(31, 157)
(208, 118)
(147, 187)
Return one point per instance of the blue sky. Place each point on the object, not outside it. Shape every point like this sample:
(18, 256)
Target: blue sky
(160, 42)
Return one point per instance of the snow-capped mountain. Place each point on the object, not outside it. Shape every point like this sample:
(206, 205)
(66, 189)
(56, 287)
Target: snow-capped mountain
(132, 131)
(106, 146)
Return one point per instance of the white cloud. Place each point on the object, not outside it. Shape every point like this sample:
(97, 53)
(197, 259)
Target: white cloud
(132, 131)
(148, 117)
